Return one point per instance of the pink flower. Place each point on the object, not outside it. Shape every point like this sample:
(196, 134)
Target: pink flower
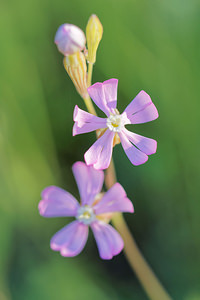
(140, 110)
(71, 239)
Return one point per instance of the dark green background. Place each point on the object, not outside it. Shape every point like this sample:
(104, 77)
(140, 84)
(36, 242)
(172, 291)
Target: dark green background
(150, 45)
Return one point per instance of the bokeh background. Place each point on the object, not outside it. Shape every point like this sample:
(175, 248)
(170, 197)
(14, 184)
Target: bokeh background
(150, 45)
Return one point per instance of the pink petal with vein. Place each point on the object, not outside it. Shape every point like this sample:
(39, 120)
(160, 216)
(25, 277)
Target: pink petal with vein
(71, 239)
(114, 200)
(56, 202)
(108, 240)
(104, 95)
(89, 181)
(100, 153)
(135, 155)
(146, 145)
(141, 109)
(86, 122)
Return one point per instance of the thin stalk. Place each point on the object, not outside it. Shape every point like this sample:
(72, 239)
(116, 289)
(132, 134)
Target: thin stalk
(89, 105)
(139, 265)
(89, 76)
(87, 100)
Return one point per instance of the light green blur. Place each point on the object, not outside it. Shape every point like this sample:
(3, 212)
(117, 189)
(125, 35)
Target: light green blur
(150, 45)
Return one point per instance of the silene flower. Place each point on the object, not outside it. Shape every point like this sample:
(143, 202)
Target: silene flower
(92, 211)
(112, 128)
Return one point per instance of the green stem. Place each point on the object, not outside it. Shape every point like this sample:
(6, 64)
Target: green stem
(87, 100)
(89, 76)
(89, 105)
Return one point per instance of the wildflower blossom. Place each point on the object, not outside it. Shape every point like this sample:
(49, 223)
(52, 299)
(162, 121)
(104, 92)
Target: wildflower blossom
(57, 202)
(140, 110)
(69, 39)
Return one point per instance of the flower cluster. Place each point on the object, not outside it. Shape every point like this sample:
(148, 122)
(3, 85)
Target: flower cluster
(96, 208)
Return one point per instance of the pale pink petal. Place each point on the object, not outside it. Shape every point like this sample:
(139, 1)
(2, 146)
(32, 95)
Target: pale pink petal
(141, 109)
(148, 114)
(135, 155)
(100, 153)
(146, 145)
(138, 103)
(89, 181)
(104, 95)
(110, 92)
(86, 122)
(114, 200)
(71, 239)
(56, 202)
(108, 240)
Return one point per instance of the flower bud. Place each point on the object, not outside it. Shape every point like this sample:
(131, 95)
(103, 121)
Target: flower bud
(69, 39)
(94, 32)
(75, 66)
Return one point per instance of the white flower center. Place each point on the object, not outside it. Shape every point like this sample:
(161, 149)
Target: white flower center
(85, 215)
(114, 122)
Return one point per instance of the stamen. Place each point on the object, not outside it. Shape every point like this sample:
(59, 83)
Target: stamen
(114, 122)
(85, 215)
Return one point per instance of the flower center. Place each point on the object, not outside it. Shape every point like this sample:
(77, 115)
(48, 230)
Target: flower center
(114, 122)
(85, 214)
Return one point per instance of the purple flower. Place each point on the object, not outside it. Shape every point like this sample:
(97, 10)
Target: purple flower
(140, 110)
(92, 211)
(70, 39)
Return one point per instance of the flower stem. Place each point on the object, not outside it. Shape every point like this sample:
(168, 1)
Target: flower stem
(89, 76)
(89, 105)
(139, 265)
(87, 100)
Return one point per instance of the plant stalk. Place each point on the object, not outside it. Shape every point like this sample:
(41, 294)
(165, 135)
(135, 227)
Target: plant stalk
(139, 265)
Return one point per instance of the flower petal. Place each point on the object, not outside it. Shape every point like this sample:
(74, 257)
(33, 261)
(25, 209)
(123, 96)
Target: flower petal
(108, 240)
(135, 155)
(86, 122)
(104, 95)
(99, 154)
(89, 181)
(71, 239)
(144, 144)
(141, 109)
(114, 200)
(150, 113)
(57, 203)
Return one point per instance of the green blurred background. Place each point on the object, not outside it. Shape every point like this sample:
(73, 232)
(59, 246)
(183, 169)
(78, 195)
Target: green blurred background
(150, 45)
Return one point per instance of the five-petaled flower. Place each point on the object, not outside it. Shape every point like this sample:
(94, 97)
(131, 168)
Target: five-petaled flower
(70, 240)
(140, 110)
